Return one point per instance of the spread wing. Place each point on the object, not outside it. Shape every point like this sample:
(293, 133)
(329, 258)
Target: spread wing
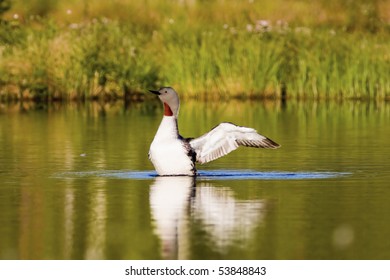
(225, 138)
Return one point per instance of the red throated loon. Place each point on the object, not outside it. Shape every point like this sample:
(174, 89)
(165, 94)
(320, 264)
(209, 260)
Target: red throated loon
(173, 155)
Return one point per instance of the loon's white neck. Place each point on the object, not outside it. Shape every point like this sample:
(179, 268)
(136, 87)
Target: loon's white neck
(168, 129)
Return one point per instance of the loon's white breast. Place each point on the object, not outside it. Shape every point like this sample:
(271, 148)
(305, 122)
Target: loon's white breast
(169, 152)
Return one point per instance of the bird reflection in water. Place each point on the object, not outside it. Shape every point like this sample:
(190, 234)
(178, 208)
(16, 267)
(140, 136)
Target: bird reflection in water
(176, 202)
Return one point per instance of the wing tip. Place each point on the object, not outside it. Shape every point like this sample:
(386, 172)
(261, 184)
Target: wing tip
(264, 143)
(270, 144)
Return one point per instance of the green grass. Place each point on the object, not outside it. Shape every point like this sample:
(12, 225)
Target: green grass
(207, 50)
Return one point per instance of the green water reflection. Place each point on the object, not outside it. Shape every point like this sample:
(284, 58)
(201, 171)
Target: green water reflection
(85, 215)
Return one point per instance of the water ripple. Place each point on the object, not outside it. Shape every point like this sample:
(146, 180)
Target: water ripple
(211, 175)
(267, 175)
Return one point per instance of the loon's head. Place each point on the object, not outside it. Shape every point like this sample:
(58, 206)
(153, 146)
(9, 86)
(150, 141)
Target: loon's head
(170, 99)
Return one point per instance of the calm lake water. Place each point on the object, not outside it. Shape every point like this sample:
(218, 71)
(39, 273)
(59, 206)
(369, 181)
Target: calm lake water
(76, 183)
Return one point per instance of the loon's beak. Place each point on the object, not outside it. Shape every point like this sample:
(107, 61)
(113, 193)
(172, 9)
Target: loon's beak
(155, 92)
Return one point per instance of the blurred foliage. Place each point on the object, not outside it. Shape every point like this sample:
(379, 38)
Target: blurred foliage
(5, 5)
(52, 49)
(352, 14)
(359, 14)
(42, 7)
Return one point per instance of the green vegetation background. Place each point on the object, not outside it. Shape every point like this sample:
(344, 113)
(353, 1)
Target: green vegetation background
(301, 49)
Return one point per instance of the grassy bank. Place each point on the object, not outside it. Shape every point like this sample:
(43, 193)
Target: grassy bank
(205, 50)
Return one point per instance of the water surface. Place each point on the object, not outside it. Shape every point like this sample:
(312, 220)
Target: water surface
(76, 183)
